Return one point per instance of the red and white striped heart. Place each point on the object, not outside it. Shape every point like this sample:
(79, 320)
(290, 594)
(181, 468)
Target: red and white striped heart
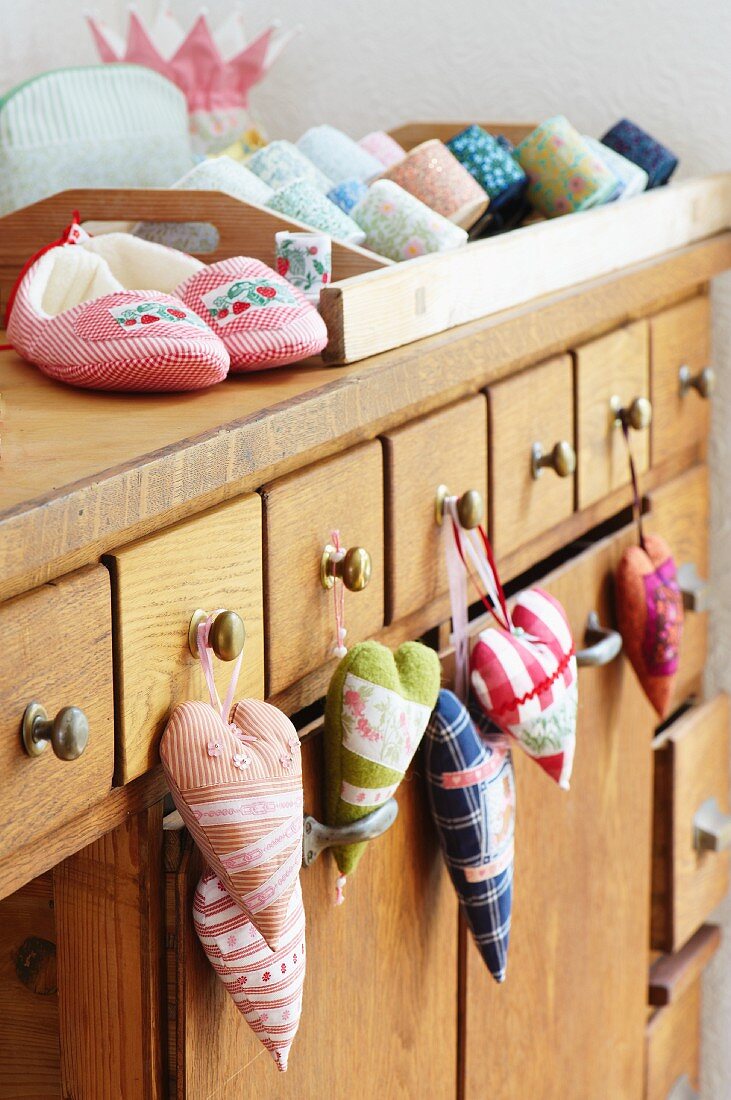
(238, 788)
(265, 985)
(525, 680)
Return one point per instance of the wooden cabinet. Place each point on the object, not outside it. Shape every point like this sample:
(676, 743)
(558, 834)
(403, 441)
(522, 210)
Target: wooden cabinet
(534, 409)
(611, 373)
(380, 1002)
(680, 338)
(211, 562)
(569, 1021)
(448, 448)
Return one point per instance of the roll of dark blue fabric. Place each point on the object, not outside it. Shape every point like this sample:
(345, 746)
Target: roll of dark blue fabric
(469, 775)
(641, 148)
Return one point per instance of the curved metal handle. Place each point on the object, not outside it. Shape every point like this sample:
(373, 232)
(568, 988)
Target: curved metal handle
(561, 459)
(353, 568)
(683, 1090)
(704, 383)
(226, 637)
(602, 644)
(316, 837)
(695, 590)
(711, 828)
(470, 507)
(638, 415)
(67, 733)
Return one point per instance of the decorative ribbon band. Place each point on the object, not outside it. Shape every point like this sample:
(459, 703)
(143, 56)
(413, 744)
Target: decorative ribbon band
(262, 850)
(490, 870)
(365, 796)
(274, 886)
(471, 776)
(248, 809)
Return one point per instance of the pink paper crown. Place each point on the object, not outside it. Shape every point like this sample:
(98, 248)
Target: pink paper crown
(211, 77)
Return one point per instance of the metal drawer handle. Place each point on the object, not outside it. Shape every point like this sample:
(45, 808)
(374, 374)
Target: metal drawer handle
(696, 591)
(470, 507)
(226, 637)
(67, 733)
(638, 415)
(602, 644)
(683, 1090)
(316, 837)
(704, 382)
(711, 828)
(353, 568)
(562, 459)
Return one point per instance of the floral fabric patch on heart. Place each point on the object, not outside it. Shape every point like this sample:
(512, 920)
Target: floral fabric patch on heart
(141, 314)
(230, 300)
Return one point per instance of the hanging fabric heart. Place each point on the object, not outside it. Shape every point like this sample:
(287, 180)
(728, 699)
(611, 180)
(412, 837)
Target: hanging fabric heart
(469, 776)
(378, 705)
(265, 985)
(649, 606)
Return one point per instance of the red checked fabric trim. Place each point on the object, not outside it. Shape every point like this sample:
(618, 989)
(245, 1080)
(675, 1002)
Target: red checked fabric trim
(538, 689)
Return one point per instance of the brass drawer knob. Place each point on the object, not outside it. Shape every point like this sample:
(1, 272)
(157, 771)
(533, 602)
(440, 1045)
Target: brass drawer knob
(226, 636)
(562, 459)
(704, 382)
(470, 507)
(711, 828)
(67, 733)
(638, 415)
(353, 567)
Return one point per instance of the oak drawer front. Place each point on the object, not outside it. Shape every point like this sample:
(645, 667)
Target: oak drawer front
(210, 562)
(691, 770)
(448, 448)
(580, 904)
(301, 511)
(533, 408)
(673, 1039)
(680, 337)
(57, 651)
(611, 373)
(680, 513)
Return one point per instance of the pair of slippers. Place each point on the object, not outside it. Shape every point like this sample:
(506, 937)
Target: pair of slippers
(84, 312)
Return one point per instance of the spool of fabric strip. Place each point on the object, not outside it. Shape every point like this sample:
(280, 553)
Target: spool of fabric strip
(304, 202)
(400, 226)
(383, 147)
(337, 155)
(347, 194)
(280, 163)
(494, 168)
(631, 178)
(305, 260)
(641, 148)
(564, 175)
(431, 173)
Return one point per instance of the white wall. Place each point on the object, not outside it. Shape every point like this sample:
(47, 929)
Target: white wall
(362, 64)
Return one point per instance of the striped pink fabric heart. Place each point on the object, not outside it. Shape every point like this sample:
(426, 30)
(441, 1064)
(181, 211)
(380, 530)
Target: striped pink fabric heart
(238, 788)
(525, 681)
(266, 985)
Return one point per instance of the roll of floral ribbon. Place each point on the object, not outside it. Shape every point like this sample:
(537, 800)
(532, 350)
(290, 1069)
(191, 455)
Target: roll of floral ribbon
(383, 147)
(305, 260)
(434, 175)
(641, 148)
(280, 163)
(337, 155)
(564, 175)
(347, 194)
(494, 168)
(304, 202)
(631, 179)
(400, 226)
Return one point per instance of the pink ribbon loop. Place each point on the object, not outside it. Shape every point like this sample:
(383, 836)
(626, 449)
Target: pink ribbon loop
(206, 658)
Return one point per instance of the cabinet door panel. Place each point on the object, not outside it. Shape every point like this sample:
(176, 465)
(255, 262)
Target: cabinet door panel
(381, 984)
(568, 1023)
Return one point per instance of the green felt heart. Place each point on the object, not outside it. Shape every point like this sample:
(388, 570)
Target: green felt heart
(378, 706)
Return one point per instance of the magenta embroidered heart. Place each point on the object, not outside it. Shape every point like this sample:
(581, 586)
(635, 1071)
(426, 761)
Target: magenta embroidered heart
(265, 985)
(525, 681)
(238, 788)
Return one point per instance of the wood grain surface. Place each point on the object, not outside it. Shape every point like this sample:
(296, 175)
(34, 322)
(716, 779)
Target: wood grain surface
(673, 1045)
(679, 336)
(670, 975)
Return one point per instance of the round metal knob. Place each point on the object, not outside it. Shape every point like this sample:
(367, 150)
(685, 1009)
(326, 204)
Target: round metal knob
(562, 459)
(353, 568)
(226, 636)
(67, 733)
(704, 382)
(638, 415)
(470, 507)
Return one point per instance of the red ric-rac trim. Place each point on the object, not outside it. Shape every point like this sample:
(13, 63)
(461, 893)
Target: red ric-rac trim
(538, 689)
